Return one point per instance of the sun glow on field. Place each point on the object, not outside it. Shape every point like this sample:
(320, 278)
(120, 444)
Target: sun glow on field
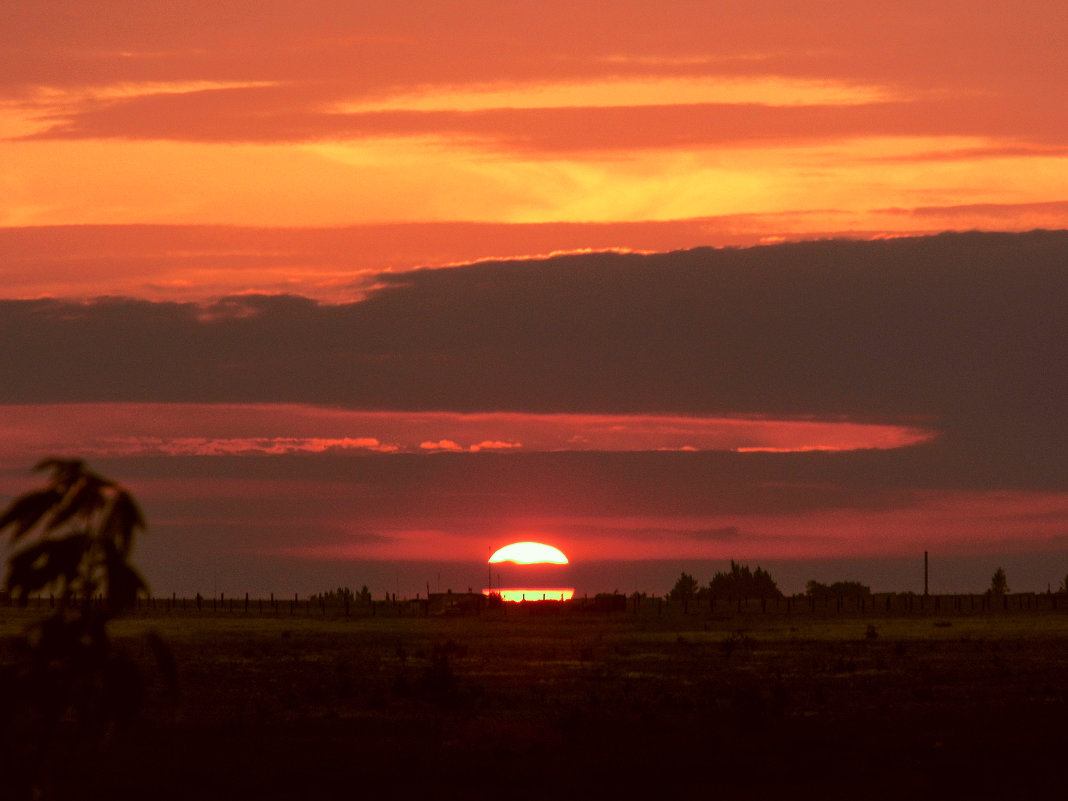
(529, 553)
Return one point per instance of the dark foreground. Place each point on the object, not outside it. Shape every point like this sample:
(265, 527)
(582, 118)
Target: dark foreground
(525, 706)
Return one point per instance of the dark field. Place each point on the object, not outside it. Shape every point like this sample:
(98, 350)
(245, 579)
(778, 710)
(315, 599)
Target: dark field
(530, 704)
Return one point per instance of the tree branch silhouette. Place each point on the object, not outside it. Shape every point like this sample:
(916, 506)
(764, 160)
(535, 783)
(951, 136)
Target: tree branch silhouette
(65, 682)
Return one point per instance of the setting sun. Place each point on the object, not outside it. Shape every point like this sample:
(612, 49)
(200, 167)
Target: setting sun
(529, 553)
(531, 556)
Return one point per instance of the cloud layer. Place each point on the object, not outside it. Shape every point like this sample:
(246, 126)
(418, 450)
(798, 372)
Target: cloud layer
(953, 327)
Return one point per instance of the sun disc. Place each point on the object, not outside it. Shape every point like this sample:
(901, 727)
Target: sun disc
(529, 553)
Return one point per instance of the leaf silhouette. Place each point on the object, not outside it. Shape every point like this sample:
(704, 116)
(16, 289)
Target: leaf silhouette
(68, 670)
(65, 472)
(28, 510)
(47, 562)
(123, 519)
(83, 498)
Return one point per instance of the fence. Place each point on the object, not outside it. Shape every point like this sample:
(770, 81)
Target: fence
(875, 605)
(887, 604)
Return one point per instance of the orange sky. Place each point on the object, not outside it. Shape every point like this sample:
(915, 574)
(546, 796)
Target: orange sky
(731, 122)
(807, 401)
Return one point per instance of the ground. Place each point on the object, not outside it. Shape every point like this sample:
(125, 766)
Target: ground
(541, 703)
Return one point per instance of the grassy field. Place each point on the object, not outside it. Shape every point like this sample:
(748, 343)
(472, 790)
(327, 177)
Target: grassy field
(526, 705)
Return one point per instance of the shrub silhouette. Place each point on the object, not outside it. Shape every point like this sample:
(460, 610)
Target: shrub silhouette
(63, 680)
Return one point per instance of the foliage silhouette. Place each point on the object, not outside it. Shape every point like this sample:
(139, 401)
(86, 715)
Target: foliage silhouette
(999, 584)
(64, 682)
(685, 589)
(741, 582)
(343, 595)
(839, 589)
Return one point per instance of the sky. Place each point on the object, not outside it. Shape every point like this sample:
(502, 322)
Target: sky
(356, 293)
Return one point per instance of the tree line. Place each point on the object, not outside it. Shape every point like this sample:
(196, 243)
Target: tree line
(739, 582)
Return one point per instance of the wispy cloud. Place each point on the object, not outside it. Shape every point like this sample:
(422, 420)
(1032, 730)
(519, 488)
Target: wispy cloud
(113, 430)
(204, 446)
(629, 91)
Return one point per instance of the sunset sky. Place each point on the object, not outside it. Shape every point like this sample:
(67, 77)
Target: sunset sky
(283, 269)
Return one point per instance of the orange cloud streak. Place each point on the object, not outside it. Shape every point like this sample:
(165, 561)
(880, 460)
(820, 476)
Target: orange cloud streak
(147, 429)
(272, 118)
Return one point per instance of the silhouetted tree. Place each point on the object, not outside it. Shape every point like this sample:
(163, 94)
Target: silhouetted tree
(338, 596)
(685, 589)
(839, 589)
(72, 539)
(999, 584)
(741, 582)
